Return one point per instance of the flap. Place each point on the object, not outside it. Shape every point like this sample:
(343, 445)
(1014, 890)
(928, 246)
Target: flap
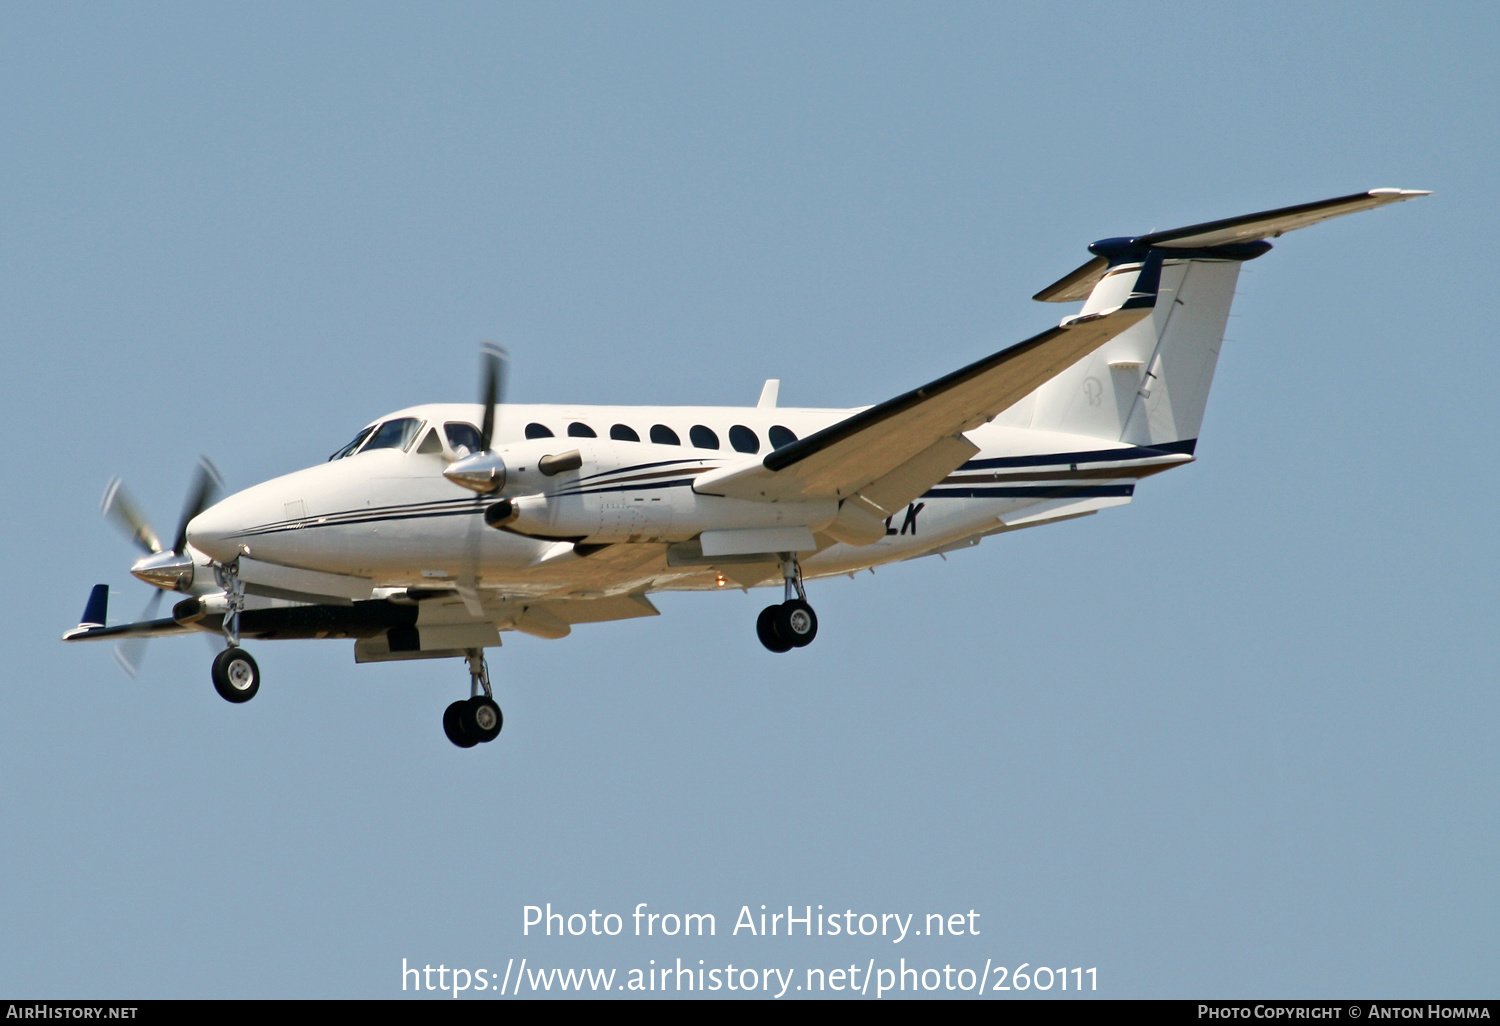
(844, 458)
(601, 609)
(912, 479)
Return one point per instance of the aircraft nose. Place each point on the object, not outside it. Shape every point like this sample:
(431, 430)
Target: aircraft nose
(216, 531)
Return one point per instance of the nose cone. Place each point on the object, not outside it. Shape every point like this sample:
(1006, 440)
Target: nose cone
(483, 472)
(217, 530)
(170, 571)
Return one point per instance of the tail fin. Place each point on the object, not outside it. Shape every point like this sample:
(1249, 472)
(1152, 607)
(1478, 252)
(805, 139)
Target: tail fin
(1149, 386)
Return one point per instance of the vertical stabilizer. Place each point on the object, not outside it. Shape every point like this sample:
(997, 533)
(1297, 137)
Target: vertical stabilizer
(1149, 386)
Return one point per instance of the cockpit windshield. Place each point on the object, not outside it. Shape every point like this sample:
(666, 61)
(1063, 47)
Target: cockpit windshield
(348, 450)
(393, 434)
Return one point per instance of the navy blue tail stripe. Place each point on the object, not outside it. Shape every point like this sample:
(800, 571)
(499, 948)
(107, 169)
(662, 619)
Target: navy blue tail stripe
(1139, 452)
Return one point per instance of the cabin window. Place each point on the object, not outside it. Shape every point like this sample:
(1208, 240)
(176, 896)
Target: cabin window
(703, 438)
(463, 439)
(393, 434)
(431, 443)
(663, 435)
(578, 430)
(538, 431)
(780, 436)
(624, 433)
(348, 450)
(743, 439)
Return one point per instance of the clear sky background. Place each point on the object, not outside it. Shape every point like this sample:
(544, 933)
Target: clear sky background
(1235, 739)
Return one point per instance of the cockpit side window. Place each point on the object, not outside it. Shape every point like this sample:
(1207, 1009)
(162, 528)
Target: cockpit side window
(463, 439)
(348, 450)
(431, 444)
(393, 434)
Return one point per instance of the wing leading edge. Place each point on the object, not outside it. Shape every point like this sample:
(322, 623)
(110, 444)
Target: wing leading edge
(897, 449)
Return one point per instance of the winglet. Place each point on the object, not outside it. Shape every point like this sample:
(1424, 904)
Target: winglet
(768, 394)
(94, 612)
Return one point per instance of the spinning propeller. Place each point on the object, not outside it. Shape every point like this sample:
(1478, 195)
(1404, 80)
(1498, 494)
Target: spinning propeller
(484, 471)
(165, 569)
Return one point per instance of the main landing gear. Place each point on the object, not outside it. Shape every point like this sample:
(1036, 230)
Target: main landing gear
(792, 624)
(477, 719)
(236, 677)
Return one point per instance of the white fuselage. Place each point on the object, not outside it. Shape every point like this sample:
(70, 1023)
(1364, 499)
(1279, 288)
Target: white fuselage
(388, 515)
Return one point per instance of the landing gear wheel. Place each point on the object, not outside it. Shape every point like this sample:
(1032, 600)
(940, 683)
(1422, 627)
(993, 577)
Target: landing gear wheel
(481, 719)
(796, 623)
(453, 725)
(765, 628)
(236, 677)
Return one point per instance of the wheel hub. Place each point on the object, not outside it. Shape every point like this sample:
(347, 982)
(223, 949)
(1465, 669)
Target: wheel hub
(240, 675)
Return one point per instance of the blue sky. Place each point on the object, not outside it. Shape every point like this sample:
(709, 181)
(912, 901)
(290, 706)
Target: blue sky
(1235, 739)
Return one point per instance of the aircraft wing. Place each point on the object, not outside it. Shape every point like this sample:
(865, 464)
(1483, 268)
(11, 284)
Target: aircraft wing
(141, 629)
(896, 450)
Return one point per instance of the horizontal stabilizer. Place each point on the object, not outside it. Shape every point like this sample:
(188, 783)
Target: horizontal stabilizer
(1231, 231)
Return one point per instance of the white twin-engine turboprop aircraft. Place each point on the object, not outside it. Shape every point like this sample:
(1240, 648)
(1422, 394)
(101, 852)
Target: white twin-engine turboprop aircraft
(440, 526)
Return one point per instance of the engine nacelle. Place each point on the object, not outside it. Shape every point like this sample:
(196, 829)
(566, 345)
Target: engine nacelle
(651, 517)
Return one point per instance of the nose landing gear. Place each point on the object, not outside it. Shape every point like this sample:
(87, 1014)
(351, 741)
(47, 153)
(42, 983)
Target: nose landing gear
(792, 624)
(235, 675)
(476, 720)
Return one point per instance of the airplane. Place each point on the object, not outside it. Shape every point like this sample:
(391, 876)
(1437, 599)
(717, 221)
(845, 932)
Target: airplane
(440, 526)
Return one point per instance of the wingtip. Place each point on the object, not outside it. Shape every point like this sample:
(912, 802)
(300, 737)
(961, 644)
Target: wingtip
(1400, 194)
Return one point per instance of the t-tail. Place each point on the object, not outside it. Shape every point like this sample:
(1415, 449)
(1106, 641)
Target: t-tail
(1149, 385)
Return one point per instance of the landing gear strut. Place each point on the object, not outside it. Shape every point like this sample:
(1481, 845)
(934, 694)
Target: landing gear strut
(477, 719)
(793, 623)
(236, 676)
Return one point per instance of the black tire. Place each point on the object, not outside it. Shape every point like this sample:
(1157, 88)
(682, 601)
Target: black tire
(796, 623)
(453, 725)
(765, 629)
(236, 677)
(481, 719)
